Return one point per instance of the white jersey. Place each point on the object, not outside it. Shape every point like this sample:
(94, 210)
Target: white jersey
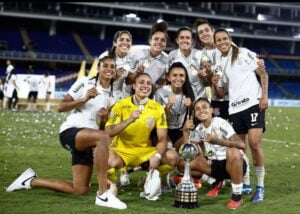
(85, 115)
(214, 54)
(156, 67)
(219, 127)
(33, 83)
(191, 63)
(177, 111)
(244, 88)
(46, 82)
(119, 85)
(9, 86)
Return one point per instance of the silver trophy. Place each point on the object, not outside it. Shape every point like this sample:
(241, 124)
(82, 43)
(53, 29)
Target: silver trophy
(186, 192)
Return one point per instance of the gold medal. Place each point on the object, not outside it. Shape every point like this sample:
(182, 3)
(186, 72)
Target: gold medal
(205, 59)
(146, 65)
(141, 108)
(193, 70)
(218, 71)
(126, 67)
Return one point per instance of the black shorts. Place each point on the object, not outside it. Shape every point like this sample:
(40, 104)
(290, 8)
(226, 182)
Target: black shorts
(175, 134)
(218, 169)
(248, 119)
(67, 140)
(48, 92)
(220, 109)
(32, 94)
(1, 95)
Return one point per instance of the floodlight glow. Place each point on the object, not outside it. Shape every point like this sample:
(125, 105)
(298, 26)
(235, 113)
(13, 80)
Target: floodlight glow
(261, 17)
(297, 36)
(230, 30)
(131, 15)
(159, 20)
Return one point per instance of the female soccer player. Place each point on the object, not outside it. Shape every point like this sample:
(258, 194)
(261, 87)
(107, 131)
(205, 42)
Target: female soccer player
(122, 42)
(191, 59)
(248, 99)
(176, 97)
(153, 60)
(131, 122)
(80, 134)
(221, 146)
(205, 32)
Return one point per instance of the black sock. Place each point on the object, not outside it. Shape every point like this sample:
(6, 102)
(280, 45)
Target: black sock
(236, 197)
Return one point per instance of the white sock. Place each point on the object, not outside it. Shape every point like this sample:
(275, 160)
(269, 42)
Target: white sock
(237, 188)
(260, 175)
(48, 106)
(208, 179)
(246, 178)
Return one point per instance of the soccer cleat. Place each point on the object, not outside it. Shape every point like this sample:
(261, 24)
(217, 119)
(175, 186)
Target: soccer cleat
(23, 181)
(247, 189)
(215, 191)
(107, 199)
(234, 204)
(258, 196)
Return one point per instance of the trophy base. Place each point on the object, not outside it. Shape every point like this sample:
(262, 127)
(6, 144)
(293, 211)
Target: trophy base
(185, 199)
(186, 205)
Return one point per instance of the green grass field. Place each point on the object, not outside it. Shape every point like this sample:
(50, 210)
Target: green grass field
(31, 140)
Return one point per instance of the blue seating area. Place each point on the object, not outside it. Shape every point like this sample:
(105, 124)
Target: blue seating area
(94, 44)
(13, 38)
(274, 92)
(292, 87)
(62, 42)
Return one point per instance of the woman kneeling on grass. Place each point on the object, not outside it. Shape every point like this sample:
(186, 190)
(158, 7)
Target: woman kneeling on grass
(80, 134)
(221, 146)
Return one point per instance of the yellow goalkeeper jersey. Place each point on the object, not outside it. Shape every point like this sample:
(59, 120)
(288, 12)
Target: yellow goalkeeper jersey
(137, 134)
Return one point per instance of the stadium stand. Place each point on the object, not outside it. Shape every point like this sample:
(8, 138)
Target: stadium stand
(94, 24)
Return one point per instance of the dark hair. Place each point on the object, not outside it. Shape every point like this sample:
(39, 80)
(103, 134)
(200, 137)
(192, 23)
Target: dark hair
(119, 33)
(182, 29)
(134, 81)
(199, 22)
(108, 56)
(195, 120)
(159, 27)
(186, 88)
(116, 37)
(235, 49)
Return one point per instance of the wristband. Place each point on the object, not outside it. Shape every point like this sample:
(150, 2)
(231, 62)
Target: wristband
(157, 155)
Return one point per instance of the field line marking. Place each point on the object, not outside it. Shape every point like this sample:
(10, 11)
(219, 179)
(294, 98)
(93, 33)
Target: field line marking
(281, 142)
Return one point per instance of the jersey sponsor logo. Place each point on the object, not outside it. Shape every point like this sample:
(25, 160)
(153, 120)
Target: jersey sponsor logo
(78, 88)
(240, 102)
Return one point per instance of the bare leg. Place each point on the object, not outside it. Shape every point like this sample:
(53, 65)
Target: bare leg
(79, 186)
(254, 136)
(234, 165)
(100, 140)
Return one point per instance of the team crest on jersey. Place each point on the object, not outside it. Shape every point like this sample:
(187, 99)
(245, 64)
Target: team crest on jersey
(150, 122)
